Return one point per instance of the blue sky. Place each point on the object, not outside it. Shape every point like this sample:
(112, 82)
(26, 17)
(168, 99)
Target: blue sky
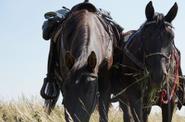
(23, 52)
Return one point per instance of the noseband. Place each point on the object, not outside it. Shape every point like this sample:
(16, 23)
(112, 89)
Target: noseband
(157, 54)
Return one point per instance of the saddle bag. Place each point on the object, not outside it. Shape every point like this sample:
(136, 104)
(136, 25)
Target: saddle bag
(52, 22)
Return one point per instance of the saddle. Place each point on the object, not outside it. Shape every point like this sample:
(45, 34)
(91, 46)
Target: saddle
(85, 5)
(60, 14)
(54, 18)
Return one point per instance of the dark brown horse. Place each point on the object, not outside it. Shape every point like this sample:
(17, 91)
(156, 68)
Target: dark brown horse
(150, 69)
(84, 51)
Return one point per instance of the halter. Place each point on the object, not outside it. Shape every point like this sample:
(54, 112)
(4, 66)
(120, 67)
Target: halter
(165, 96)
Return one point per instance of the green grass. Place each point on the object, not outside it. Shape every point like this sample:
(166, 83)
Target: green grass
(24, 110)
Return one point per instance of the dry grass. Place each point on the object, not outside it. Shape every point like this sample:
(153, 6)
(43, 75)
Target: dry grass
(25, 110)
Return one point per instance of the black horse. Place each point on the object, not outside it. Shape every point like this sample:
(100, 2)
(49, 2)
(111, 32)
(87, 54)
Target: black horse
(84, 55)
(149, 73)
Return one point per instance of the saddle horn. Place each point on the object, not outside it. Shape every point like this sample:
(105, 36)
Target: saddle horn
(86, 1)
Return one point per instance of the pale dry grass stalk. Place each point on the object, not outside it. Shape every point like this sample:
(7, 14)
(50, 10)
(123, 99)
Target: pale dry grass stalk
(157, 117)
(24, 110)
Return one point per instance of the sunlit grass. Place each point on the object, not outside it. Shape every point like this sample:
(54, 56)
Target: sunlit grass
(24, 110)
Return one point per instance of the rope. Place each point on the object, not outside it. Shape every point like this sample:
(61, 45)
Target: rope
(176, 80)
(122, 91)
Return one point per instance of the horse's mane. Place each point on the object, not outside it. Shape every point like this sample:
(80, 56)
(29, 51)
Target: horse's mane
(158, 17)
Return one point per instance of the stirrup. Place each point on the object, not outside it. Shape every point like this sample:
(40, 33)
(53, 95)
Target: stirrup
(49, 90)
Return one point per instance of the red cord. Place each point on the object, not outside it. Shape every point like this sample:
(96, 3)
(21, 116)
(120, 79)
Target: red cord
(163, 97)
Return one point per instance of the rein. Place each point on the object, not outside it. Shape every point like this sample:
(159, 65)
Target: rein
(125, 89)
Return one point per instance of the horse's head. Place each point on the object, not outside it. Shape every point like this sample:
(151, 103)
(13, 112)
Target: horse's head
(80, 88)
(158, 36)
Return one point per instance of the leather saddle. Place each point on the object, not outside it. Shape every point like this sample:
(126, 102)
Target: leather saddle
(88, 6)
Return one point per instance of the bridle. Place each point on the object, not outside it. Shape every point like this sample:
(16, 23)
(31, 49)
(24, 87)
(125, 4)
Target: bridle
(165, 96)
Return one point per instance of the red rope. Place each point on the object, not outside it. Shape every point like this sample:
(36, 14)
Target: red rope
(164, 98)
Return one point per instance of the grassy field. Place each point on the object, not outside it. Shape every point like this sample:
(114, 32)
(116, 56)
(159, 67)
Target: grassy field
(25, 110)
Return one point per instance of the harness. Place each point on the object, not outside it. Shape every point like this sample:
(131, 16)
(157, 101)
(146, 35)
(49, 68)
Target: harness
(165, 96)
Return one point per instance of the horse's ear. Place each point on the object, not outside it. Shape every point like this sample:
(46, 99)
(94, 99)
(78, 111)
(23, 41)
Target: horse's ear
(149, 11)
(92, 60)
(172, 13)
(69, 60)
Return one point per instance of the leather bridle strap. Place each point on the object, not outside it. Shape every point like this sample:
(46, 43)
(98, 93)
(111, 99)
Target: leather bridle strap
(156, 54)
(133, 58)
